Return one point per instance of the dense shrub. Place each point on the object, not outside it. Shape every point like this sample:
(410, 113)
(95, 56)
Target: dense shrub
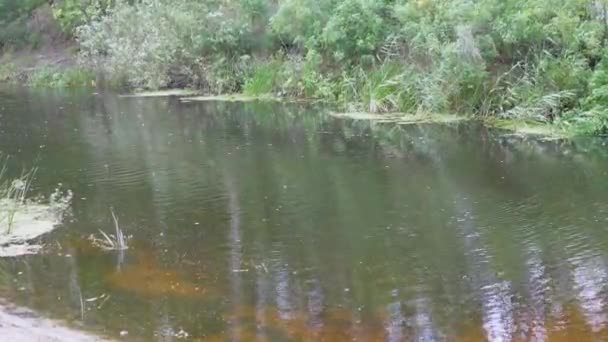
(145, 54)
(72, 13)
(14, 30)
(175, 43)
(533, 60)
(299, 23)
(355, 29)
(62, 78)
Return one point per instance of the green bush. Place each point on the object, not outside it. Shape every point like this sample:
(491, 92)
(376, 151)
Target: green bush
(8, 71)
(355, 29)
(175, 43)
(15, 34)
(535, 60)
(593, 118)
(263, 80)
(72, 13)
(49, 77)
(145, 54)
(300, 23)
(11, 9)
(14, 30)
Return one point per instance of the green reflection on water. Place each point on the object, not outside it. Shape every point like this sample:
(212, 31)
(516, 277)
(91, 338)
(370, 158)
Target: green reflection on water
(280, 222)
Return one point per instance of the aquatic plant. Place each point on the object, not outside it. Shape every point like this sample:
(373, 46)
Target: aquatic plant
(24, 219)
(13, 194)
(115, 241)
(60, 78)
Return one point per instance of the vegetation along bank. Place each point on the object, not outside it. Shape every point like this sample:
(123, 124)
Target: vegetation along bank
(536, 61)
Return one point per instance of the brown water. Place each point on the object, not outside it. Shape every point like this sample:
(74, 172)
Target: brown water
(276, 222)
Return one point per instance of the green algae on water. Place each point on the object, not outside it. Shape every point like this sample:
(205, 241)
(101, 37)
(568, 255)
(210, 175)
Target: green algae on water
(543, 130)
(164, 93)
(402, 118)
(231, 98)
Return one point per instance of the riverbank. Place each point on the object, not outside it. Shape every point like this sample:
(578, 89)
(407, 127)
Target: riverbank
(58, 69)
(34, 51)
(410, 57)
(49, 67)
(542, 130)
(19, 324)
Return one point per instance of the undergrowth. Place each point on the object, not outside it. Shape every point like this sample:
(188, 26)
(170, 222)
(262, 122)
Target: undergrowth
(513, 59)
(13, 191)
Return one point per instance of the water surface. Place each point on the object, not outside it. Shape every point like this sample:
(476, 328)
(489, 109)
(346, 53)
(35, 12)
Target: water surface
(263, 221)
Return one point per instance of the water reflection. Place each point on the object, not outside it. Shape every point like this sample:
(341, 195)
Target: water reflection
(590, 281)
(268, 222)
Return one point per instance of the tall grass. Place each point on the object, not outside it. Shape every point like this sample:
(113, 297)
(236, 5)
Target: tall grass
(380, 90)
(13, 192)
(58, 78)
(263, 79)
(113, 242)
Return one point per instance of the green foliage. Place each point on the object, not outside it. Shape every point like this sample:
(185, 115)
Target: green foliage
(532, 60)
(14, 34)
(11, 9)
(301, 76)
(72, 13)
(355, 29)
(13, 192)
(147, 54)
(176, 43)
(300, 22)
(375, 91)
(225, 75)
(68, 78)
(14, 30)
(264, 79)
(594, 117)
(566, 72)
(8, 71)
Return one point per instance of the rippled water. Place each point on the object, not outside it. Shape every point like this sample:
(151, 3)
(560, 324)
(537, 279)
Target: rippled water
(276, 222)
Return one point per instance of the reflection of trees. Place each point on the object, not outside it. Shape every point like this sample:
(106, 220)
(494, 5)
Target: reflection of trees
(295, 177)
(493, 294)
(315, 227)
(502, 316)
(235, 245)
(590, 277)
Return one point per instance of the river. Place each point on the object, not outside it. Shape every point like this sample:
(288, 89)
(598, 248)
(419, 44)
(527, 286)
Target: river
(267, 221)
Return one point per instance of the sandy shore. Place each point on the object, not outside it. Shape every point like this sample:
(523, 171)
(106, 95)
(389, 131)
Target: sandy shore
(20, 324)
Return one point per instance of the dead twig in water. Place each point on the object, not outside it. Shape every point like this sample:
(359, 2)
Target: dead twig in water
(111, 242)
(120, 239)
(103, 302)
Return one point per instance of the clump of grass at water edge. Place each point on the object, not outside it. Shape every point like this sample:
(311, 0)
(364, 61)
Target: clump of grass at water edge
(24, 219)
(12, 195)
